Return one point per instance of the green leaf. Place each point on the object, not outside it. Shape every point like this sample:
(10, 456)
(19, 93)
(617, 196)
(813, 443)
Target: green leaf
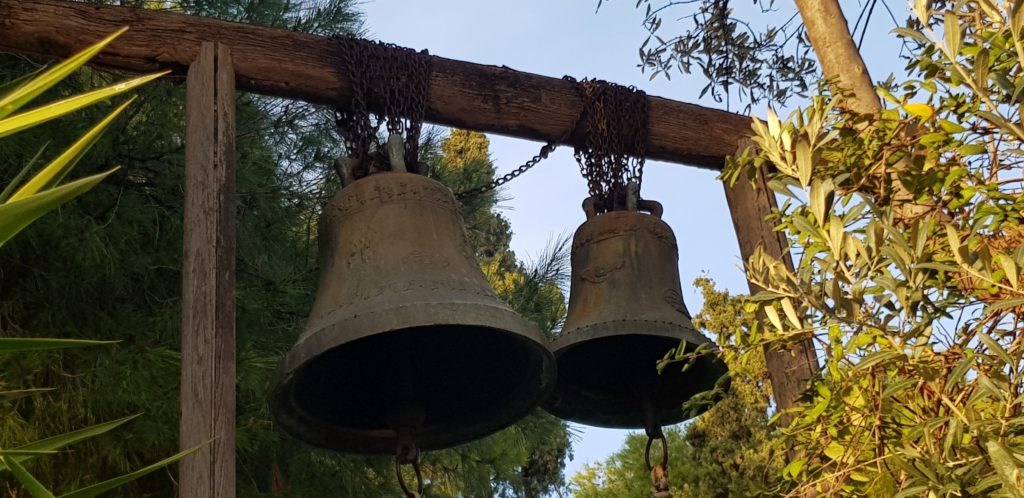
(23, 393)
(1006, 466)
(15, 216)
(68, 438)
(951, 127)
(787, 306)
(773, 316)
(54, 172)
(972, 149)
(29, 453)
(103, 487)
(6, 194)
(20, 345)
(1009, 268)
(28, 119)
(804, 162)
(996, 349)
(876, 358)
(1006, 303)
(30, 90)
(911, 33)
(835, 450)
(33, 486)
(981, 66)
(951, 32)
(792, 469)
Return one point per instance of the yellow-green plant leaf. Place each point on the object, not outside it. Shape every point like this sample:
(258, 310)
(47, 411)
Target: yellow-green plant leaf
(787, 306)
(23, 393)
(17, 453)
(103, 487)
(923, 111)
(23, 344)
(1007, 468)
(54, 172)
(69, 438)
(30, 483)
(773, 316)
(15, 216)
(6, 194)
(27, 119)
(1009, 268)
(31, 89)
(951, 31)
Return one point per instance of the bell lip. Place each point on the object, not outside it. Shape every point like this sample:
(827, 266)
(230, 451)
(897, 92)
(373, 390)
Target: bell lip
(310, 430)
(600, 330)
(571, 338)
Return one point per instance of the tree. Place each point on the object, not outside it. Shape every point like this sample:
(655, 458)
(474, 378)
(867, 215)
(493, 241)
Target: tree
(917, 319)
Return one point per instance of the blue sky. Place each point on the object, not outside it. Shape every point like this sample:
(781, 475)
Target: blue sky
(560, 37)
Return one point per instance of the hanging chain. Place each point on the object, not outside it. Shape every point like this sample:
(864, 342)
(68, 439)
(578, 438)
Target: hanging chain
(408, 454)
(543, 154)
(393, 79)
(659, 472)
(614, 127)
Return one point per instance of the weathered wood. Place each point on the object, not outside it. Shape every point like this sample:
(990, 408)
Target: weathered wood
(790, 370)
(295, 65)
(208, 279)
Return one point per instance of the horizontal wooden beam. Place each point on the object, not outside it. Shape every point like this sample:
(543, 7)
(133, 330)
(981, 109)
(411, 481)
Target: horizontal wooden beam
(301, 66)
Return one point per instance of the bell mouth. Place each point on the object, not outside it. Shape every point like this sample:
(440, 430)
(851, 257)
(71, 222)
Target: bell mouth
(607, 375)
(468, 381)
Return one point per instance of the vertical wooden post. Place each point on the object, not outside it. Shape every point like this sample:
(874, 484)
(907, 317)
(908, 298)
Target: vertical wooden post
(208, 274)
(791, 370)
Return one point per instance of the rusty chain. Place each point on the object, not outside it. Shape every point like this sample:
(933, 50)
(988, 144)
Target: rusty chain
(396, 81)
(614, 128)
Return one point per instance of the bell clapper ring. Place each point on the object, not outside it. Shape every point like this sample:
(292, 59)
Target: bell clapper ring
(407, 453)
(659, 471)
(406, 420)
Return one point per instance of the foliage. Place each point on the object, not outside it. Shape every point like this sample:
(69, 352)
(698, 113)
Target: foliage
(917, 316)
(729, 451)
(19, 207)
(770, 65)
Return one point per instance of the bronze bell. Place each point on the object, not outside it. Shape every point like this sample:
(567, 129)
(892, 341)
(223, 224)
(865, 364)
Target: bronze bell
(625, 313)
(406, 337)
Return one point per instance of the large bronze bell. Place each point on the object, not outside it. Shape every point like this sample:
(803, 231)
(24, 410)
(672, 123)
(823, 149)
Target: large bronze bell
(625, 313)
(406, 338)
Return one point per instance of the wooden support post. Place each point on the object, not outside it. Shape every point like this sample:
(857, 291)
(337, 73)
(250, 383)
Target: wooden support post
(789, 371)
(208, 274)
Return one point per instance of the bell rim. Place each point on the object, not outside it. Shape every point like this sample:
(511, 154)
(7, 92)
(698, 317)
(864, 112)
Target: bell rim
(600, 330)
(634, 419)
(297, 424)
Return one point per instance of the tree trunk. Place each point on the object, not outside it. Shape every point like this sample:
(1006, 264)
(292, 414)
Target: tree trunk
(837, 53)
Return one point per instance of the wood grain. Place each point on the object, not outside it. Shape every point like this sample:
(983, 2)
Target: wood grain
(301, 66)
(208, 279)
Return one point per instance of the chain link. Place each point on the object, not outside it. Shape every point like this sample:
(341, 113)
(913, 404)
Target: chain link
(614, 128)
(543, 154)
(659, 471)
(408, 454)
(393, 79)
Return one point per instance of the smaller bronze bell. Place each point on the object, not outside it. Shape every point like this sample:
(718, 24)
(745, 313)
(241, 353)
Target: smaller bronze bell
(625, 313)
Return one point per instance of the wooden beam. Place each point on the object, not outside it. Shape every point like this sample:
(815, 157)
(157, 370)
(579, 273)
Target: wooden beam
(208, 279)
(792, 369)
(301, 66)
